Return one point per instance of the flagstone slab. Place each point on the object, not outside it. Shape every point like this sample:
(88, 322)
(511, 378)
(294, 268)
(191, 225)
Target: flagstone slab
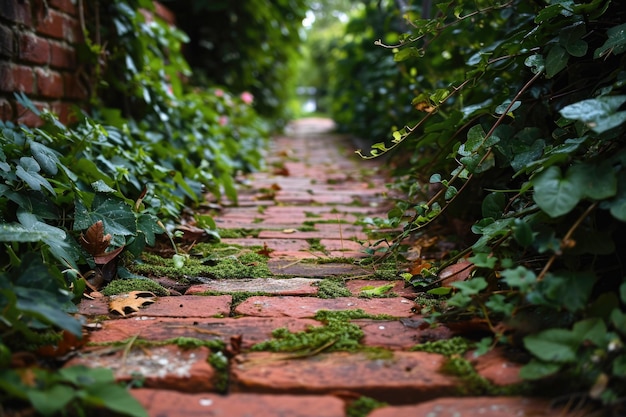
(165, 367)
(162, 403)
(475, 407)
(400, 378)
(286, 286)
(302, 307)
(252, 329)
(275, 244)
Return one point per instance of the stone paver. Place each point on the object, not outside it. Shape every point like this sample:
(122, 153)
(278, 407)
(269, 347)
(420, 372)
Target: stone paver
(304, 212)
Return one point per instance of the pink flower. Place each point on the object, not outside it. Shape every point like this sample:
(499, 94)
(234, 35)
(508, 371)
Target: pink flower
(219, 93)
(223, 120)
(247, 97)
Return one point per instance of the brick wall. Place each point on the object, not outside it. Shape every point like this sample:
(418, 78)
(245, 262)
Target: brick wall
(38, 40)
(38, 57)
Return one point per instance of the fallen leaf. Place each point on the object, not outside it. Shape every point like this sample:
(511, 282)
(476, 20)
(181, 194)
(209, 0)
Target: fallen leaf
(94, 240)
(132, 301)
(289, 231)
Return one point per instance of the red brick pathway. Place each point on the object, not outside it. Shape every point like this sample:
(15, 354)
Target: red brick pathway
(312, 176)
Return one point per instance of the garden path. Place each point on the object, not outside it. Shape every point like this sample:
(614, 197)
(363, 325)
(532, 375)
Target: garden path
(303, 211)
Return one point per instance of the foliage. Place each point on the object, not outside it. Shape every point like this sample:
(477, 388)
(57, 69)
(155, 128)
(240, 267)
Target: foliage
(75, 389)
(368, 89)
(245, 45)
(520, 130)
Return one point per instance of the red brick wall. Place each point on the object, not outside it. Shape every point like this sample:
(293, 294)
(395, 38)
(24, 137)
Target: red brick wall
(38, 40)
(38, 57)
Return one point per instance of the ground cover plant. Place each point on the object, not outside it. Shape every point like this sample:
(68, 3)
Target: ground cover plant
(79, 203)
(518, 131)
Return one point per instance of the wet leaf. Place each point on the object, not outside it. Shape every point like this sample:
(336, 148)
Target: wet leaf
(130, 302)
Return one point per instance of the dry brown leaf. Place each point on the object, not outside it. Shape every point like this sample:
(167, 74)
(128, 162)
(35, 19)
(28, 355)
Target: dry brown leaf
(132, 301)
(94, 240)
(456, 272)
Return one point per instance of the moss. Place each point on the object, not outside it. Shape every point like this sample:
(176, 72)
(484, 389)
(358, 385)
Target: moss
(261, 209)
(238, 296)
(258, 220)
(215, 345)
(363, 406)
(447, 347)
(120, 286)
(245, 264)
(219, 362)
(329, 260)
(337, 334)
(307, 228)
(238, 233)
(310, 215)
(315, 245)
(332, 288)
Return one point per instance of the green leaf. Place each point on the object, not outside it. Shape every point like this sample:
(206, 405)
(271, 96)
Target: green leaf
(536, 63)
(521, 277)
(597, 181)
(51, 401)
(591, 330)
(493, 205)
(600, 114)
(28, 170)
(616, 42)
(117, 399)
(570, 39)
(538, 369)
(554, 194)
(556, 61)
(522, 233)
(619, 366)
(472, 286)
(116, 215)
(483, 260)
(617, 205)
(440, 291)
(553, 345)
(47, 158)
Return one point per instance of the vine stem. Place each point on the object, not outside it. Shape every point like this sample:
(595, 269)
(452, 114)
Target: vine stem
(566, 238)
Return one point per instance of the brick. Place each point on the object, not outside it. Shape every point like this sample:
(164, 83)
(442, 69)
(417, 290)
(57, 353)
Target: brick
(27, 117)
(62, 56)
(67, 6)
(275, 244)
(72, 31)
(496, 367)
(477, 407)
(23, 79)
(175, 404)
(322, 234)
(34, 49)
(401, 334)
(253, 329)
(6, 41)
(50, 23)
(288, 267)
(304, 307)
(49, 83)
(165, 367)
(74, 89)
(357, 285)
(401, 378)
(164, 13)
(67, 112)
(16, 11)
(289, 286)
(188, 306)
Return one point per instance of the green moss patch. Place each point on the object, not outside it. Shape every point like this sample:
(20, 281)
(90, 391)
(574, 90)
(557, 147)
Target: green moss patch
(245, 264)
(120, 286)
(363, 406)
(337, 334)
(332, 288)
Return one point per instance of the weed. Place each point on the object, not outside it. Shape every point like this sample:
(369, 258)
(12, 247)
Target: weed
(311, 215)
(219, 362)
(307, 227)
(315, 245)
(238, 233)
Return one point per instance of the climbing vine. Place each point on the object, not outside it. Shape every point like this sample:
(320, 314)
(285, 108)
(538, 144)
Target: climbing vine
(519, 131)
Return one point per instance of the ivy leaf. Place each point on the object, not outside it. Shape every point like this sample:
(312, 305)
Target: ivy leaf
(116, 215)
(570, 39)
(493, 205)
(616, 42)
(553, 345)
(600, 114)
(538, 369)
(472, 286)
(28, 170)
(597, 181)
(554, 194)
(522, 233)
(53, 400)
(556, 60)
(47, 158)
(536, 63)
(520, 277)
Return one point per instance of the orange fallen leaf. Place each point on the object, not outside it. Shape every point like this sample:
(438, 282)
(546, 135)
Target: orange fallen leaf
(456, 272)
(132, 301)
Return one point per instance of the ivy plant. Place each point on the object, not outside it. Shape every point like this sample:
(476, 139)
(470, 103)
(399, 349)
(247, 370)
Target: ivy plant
(518, 129)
